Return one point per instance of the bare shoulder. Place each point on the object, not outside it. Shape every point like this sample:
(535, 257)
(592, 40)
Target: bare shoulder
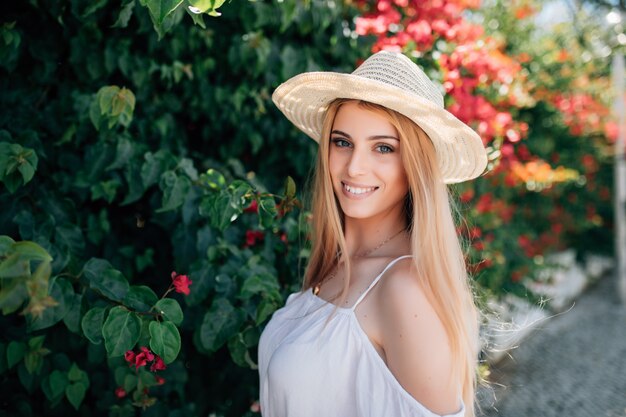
(415, 341)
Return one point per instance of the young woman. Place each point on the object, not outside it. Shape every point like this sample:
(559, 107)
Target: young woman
(385, 324)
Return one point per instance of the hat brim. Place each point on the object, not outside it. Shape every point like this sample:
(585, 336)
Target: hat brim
(304, 100)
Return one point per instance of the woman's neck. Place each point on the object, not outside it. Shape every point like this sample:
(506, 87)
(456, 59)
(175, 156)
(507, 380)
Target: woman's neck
(367, 235)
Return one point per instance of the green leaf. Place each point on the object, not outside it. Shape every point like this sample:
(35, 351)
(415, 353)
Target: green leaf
(205, 6)
(75, 374)
(14, 266)
(95, 267)
(103, 278)
(132, 174)
(124, 152)
(114, 105)
(125, 14)
(33, 362)
(31, 251)
(239, 352)
(290, 187)
(76, 393)
(160, 9)
(162, 14)
(220, 323)
(70, 235)
(72, 317)
(165, 340)
(92, 323)
(175, 189)
(224, 207)
(259, 284)
(120, 331)
(155, 165)
(36, 342)
(218, 209)
(54, 384)
(265, 308)
(6, 245)
(267, 211)
(62, 292)
(213, 179)
(140, 298)
(15, 353)
(170, 309)
(12, 296)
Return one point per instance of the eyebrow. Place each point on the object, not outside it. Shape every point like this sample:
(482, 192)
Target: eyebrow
(375, 137)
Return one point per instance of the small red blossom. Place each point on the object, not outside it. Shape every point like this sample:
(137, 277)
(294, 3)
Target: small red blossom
(181, 283)
(129, 357)
(158, 364)
(467, 196)
(252, 208)
(252, 237)
(148, 353)
(159, 380)
(120, 392)
(140, 360)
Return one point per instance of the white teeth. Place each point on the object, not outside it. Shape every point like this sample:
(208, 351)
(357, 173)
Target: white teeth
(356, 190)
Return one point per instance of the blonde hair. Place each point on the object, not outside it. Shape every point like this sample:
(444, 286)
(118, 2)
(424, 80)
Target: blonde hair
(437, 253)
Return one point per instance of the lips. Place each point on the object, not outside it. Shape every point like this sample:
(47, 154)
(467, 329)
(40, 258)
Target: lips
(357, 190)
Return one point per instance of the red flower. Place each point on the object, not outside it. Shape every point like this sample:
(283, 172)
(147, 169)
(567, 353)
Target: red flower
(120, 392)
(158, 365)
(140, 360)
(181, 283)
(252, 237)
(148, 353)
(159, 380)
(252, 208)
(129, 357)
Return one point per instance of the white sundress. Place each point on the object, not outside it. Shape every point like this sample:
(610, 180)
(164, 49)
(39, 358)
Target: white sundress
(307, 370)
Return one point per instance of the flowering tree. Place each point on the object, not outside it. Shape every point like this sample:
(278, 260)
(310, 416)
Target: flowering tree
(503, 82)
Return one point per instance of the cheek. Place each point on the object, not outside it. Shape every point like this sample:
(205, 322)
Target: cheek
(335, 164)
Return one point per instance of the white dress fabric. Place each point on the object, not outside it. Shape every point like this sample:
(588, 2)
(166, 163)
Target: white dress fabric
(307, 370)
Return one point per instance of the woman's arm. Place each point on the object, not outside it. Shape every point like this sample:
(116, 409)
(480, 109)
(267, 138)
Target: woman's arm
(415, 342)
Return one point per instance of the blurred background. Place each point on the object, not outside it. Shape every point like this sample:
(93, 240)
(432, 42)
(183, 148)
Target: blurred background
(138, 138)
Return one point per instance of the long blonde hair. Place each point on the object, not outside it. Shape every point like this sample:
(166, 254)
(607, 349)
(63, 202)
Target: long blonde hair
(437, 253)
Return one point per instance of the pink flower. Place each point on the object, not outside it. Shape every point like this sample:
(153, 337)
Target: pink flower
(159, 380)
(255, 407)
(157, 365)
(181, 283)
(120, 392)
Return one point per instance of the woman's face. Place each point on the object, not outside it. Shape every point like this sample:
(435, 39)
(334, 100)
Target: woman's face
(365, 164)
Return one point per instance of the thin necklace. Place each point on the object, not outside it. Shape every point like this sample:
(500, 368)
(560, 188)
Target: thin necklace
(316, 290)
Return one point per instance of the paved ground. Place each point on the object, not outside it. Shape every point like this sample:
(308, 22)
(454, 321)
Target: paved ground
(573, 365)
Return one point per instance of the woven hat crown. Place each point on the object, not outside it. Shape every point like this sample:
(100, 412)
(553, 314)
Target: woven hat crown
(399, 71)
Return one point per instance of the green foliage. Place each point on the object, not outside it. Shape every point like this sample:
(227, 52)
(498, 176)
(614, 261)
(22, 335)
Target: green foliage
(135, 138)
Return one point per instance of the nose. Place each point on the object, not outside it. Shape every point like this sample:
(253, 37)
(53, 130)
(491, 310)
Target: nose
(358, 163)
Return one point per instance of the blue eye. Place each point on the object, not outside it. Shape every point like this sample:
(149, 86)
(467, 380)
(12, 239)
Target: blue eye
(384, 149)
(340, 143)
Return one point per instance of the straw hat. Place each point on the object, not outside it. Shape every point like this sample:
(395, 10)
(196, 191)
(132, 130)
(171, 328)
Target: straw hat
(393, 81)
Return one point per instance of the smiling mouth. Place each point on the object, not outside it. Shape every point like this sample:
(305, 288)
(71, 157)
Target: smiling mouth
(358, 190)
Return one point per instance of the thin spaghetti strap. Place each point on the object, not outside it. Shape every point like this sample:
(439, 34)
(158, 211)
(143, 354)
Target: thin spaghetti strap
(389, 265)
